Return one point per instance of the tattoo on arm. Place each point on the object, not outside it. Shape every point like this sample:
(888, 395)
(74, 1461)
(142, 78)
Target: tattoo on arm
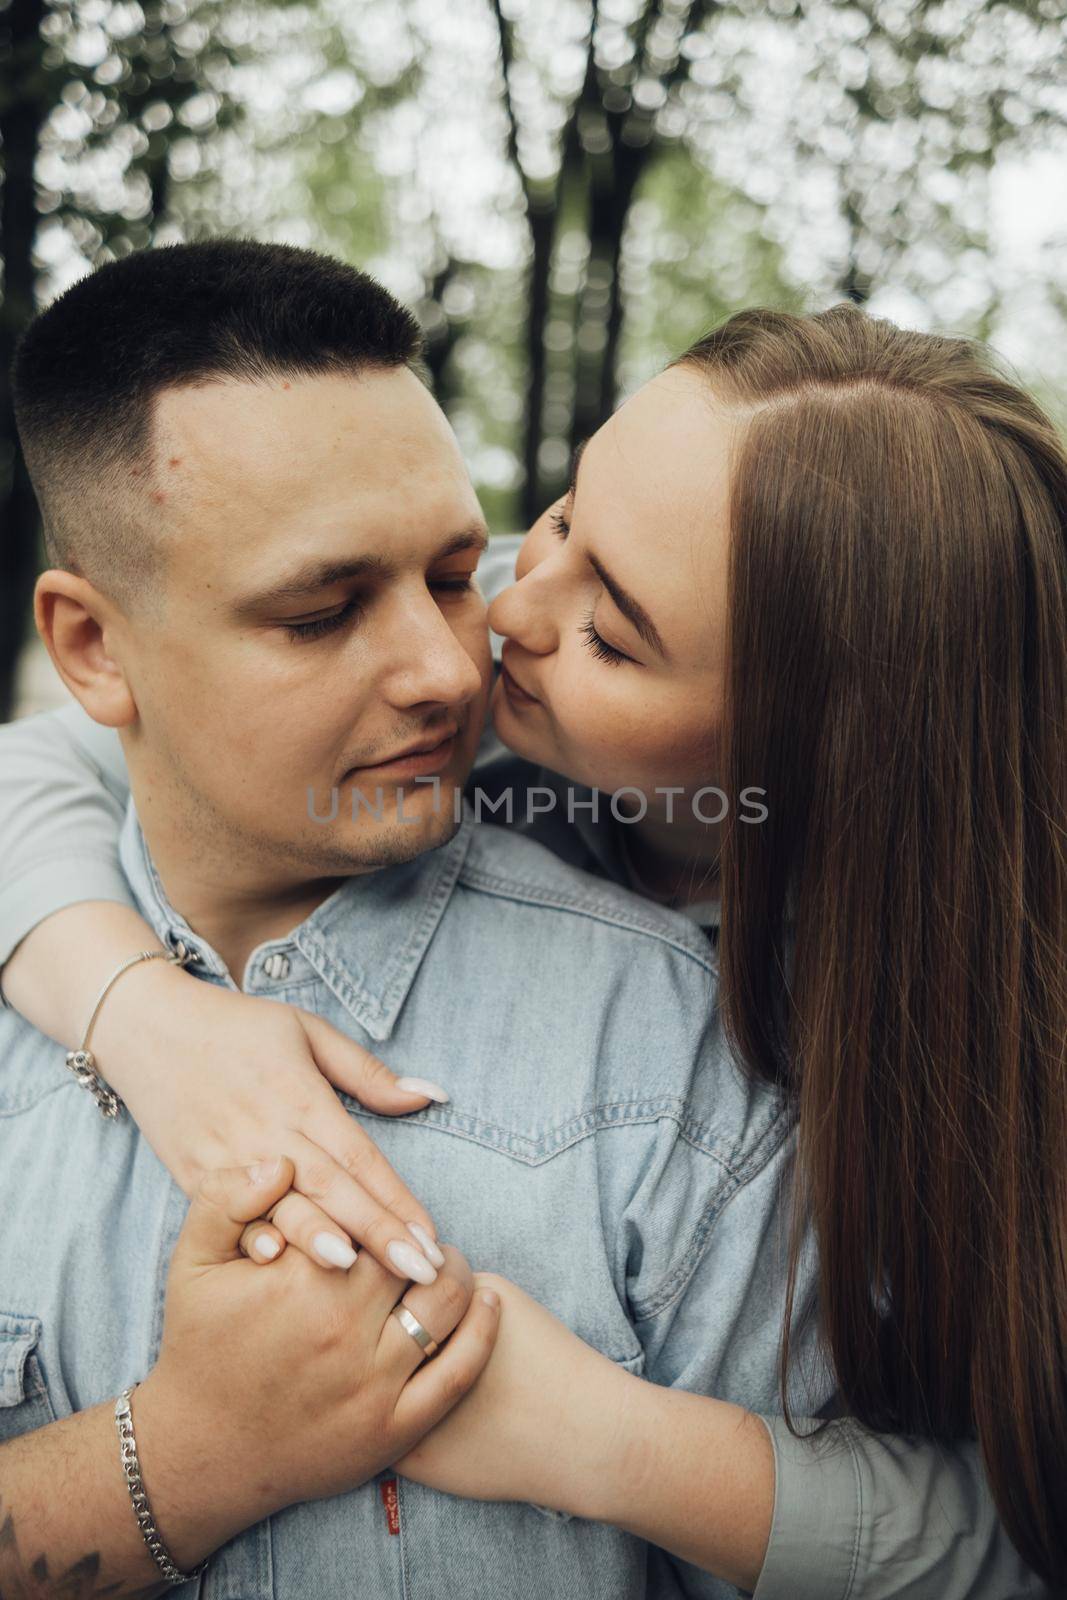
(19, 1581)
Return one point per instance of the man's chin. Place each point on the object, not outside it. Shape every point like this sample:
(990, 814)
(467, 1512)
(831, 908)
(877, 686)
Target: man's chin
(365, 844)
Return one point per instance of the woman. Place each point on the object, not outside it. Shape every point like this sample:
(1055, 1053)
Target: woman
(846, 545)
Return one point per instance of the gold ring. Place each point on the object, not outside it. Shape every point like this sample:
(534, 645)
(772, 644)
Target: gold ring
(422, 1336)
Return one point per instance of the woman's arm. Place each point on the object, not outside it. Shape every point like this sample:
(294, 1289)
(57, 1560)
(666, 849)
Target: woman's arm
(255, 1075)
(62, 798)
(553, 1422)
(844, 1515)
(865, 1516)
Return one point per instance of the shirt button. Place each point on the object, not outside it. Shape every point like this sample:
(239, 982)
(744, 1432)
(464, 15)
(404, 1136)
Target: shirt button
(276, 965)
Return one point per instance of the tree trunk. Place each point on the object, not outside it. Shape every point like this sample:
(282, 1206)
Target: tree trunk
(854, 284)
(441, 338)
(21, 115)
(609, 208)
(542, 220)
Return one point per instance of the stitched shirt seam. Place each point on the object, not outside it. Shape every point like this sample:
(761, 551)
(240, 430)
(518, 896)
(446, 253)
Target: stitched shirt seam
(529, 893)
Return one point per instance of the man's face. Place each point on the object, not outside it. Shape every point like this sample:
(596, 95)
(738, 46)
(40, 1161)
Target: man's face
(318, 616)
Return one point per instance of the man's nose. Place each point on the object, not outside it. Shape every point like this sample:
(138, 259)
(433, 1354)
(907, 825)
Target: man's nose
(429, 661)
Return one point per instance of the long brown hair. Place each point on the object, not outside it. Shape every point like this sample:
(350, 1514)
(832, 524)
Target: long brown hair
(898, 681)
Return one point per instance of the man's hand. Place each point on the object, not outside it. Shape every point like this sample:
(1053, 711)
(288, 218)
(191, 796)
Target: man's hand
(273, 1385)
(286, 1383)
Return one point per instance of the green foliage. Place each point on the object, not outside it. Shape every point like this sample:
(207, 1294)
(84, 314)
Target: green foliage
(346, 196)
(324, 121)
(695, 252)
(132, 85)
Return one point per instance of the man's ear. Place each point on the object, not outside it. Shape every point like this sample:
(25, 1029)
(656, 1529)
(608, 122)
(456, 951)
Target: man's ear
(75, 620)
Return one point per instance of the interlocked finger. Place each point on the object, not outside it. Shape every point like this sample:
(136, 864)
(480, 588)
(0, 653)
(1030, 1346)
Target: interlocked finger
(436, 1308)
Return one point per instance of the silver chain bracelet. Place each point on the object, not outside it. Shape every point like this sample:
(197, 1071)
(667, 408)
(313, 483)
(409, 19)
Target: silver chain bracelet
(82, 1062)
(138, 1496)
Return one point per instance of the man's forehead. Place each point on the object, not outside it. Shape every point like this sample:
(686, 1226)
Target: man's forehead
(254, 480)
(296, 423)
(321, 451)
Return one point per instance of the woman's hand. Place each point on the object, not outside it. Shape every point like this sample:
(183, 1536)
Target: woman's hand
(552, 1422)
(545, 1423)
(287, 1383)
(217, 1079)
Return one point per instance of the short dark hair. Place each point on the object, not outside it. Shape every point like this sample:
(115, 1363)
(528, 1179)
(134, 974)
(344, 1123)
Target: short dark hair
(89, 367)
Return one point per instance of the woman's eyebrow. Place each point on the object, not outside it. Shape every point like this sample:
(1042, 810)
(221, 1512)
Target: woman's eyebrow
(630, 608)
(576, 461)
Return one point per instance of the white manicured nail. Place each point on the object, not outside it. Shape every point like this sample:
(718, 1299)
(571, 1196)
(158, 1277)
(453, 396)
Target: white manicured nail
(428, 1244)
(333, 1250)
(432, 1091)
(410, 1262)
(266, 1246)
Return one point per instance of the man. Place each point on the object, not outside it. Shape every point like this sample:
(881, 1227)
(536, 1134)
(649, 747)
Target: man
(263, 543)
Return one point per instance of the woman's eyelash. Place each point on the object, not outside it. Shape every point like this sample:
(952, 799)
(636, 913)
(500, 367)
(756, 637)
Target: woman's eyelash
(323, 625)
(600, 647)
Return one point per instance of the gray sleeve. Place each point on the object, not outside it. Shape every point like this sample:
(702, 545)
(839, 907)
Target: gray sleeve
(63, 793)
(862, 1516)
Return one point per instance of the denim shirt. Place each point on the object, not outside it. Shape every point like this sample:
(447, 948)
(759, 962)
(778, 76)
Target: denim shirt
(601, 1147)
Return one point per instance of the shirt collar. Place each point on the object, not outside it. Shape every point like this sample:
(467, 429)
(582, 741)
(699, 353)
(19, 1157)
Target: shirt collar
(366, 940)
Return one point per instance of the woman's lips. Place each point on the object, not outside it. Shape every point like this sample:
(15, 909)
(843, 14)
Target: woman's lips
(515, 690)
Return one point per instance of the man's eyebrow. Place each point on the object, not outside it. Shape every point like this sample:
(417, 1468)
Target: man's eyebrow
(308, 579)
(630, 608)
(476, 537)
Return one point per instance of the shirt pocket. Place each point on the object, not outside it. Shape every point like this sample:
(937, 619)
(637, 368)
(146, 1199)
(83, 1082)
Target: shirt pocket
(24, 1400)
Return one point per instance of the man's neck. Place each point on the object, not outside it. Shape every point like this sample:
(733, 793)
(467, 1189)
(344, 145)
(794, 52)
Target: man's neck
(235, 918)
(232, 890)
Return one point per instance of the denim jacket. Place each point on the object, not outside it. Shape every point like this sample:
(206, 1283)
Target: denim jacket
(602, 1148)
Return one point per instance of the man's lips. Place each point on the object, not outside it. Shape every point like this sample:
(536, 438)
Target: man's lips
(418, 747)
(423, 758)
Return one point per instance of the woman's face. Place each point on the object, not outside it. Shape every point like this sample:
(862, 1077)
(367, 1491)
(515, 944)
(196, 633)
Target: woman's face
(619, 693)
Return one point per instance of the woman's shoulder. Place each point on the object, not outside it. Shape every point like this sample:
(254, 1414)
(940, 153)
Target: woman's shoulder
(507, 862)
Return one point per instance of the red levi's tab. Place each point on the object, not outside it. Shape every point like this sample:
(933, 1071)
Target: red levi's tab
(391, 1502)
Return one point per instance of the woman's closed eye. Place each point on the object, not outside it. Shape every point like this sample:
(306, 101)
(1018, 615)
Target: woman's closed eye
(594, 641)
(599, 646)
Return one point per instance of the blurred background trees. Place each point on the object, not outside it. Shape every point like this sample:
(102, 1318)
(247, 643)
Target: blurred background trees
(568, 191)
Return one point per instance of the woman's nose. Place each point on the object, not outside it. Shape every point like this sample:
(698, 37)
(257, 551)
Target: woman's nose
(523, 612)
